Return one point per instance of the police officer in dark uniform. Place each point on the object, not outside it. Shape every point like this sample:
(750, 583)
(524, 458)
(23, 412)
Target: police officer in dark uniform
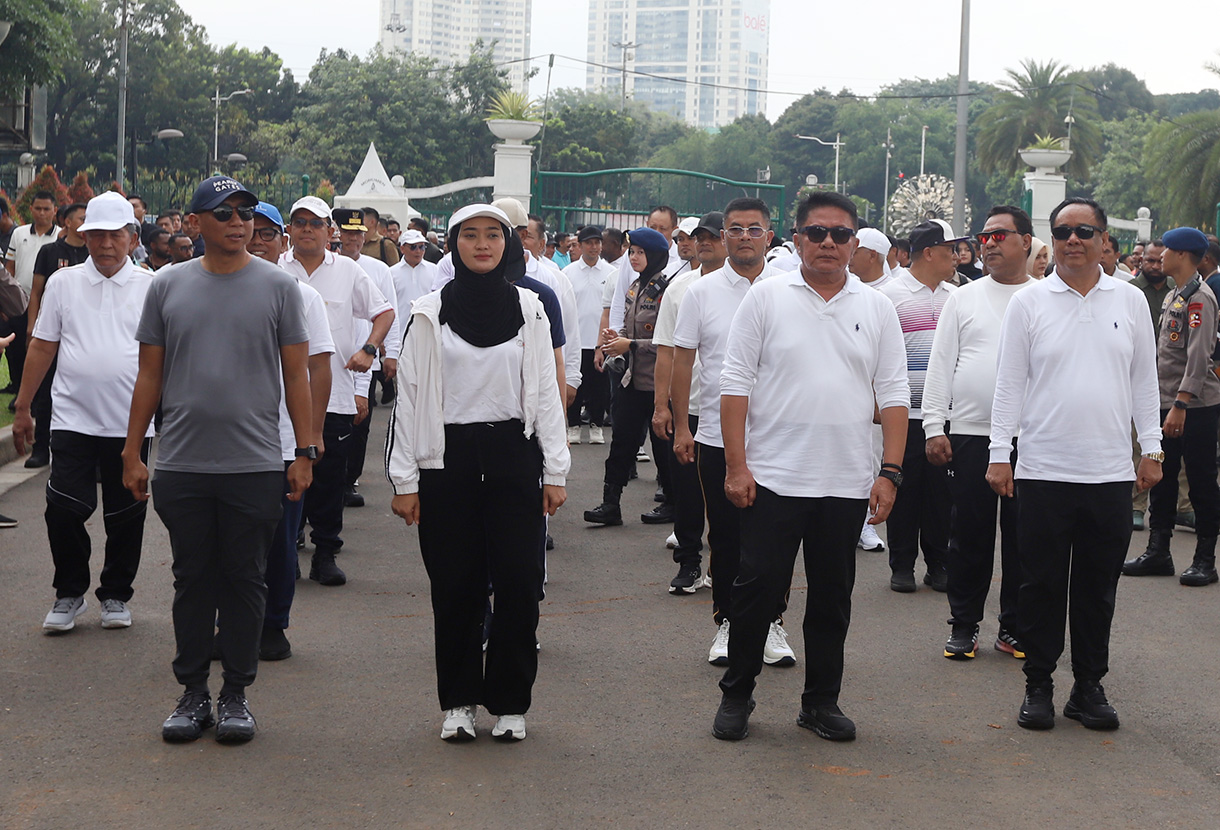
(1190, 410)
(632, 406)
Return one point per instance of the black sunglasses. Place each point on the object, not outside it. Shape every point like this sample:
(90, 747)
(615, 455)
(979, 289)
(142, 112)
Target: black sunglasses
(223, 213)
(839, 235)
(1083, 232)
(998, 235)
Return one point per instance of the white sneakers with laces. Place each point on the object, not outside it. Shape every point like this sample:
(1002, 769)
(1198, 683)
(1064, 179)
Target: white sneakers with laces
(595, 434)
(509, 728)
(574, 435)
(869, 540)
(63, 614)
(776, 651)
(115, 614)
(718, 655)
(459, 724)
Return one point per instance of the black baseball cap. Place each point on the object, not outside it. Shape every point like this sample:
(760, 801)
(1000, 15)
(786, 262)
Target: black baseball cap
(712, 222)
(588, 232)
(212, 191)
(932, 232)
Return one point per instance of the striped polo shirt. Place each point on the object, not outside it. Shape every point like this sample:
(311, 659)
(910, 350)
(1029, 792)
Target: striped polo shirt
(918, 310)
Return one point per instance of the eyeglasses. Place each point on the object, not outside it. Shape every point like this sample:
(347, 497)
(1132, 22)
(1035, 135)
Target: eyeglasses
(1083, 232)
(267, 234)
(998, 235)
(839, 235)
(302, 223)
(223, 213)
(419, 246)
(737, 232)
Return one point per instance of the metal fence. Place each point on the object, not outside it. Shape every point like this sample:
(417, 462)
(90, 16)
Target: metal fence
(438, 209)
(624, 197)
(162, 192)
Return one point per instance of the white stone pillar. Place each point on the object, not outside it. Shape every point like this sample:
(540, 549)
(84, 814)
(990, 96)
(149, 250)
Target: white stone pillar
(1047, 190)
(1143, 222)
(512, 173)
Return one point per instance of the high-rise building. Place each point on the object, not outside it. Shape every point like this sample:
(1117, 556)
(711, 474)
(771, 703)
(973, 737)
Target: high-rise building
(704, 61)
(446, 29)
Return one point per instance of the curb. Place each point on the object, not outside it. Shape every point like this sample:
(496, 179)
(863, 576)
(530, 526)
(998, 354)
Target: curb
(7, 451)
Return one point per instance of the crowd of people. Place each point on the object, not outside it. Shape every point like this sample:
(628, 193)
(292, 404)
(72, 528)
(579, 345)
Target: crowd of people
(789, 395)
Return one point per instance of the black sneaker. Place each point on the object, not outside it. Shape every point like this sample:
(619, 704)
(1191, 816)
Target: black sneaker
(688, 580)
(352, 498)
(1009, 644)
(301, 539)
(659, 495)
(234, 723)
(324, 571)
(190, 717)
(963, 642)
(550, 543)
(1088, 704)
(903, 583)
(605, 514)
(937, 579)
(37, 459)
(827, 721)
(659, 515)
(274, 644)
(733, 718)
(1038, 708)
(6, 521)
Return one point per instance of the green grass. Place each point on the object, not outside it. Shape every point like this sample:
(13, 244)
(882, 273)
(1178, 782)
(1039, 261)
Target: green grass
(6, 417)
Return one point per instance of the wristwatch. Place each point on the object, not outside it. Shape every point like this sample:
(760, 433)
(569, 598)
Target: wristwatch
(310, 452)
(893, 472)
(1158, 457)
(369, 349)
(1177, 404)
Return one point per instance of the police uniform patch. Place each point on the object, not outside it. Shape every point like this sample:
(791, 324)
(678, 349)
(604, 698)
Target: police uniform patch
(1174, 336)
(1195, 310)
(1174, 324)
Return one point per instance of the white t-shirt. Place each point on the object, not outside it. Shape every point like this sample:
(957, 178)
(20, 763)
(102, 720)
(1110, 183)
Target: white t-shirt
(588, 285)
(1072, 375)
(349, 295)
(94, 319)
(810, 369)
(481, 384)
(667, 321)
(319, 343)
(23, 248)
(962, 366)
(703, 324)
(554, 279)
(412, 283)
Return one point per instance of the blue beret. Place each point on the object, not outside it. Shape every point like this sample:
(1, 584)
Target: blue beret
(1191, 240)
(648, 239)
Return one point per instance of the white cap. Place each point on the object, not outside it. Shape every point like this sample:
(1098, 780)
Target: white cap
(874, 240)
(109, 212)
(474, 211)
(312, 204)
(411, 237)
(514, 211)
(688, 225)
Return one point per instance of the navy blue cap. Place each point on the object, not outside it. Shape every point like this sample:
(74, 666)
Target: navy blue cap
(1191, 240)
(211, 192)
(270, 211)
(648, 239)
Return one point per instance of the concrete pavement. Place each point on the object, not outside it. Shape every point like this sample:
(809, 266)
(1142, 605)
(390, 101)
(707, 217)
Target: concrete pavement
(620, 730)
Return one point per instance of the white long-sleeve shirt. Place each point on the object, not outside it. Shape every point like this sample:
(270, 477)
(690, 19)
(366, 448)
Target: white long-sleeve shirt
(547, 273)
(810, 369)
(962, 366)
(1074, 372)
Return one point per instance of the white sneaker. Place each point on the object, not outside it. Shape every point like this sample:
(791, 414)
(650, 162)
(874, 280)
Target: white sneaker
(509, 728)
(707, 579)
(573, 435)
(776, 651)
(641, 457)
(719, 653)
(115, 614)
(869, 540)
(672, 541)
(459, 724)
(63, 614)
(595, 434)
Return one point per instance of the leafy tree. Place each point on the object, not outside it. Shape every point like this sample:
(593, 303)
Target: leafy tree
(1035, 102)
(687, 153)
(584, 137)
(1120, 182)
(1117, 90)
(1183, 103)
(39, 42)
(792, 158)
(47, 179)
(1183, 162)
(79, 190)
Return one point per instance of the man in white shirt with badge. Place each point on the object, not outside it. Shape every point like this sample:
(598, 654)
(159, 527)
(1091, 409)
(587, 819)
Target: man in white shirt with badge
(88, 319)
(350, 295)
(810, 356)
(413, 275)
(1077, 366)
(588, 276)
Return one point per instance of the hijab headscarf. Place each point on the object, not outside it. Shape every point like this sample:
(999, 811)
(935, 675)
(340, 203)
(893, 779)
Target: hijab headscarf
(484, 309)
(1035, 247)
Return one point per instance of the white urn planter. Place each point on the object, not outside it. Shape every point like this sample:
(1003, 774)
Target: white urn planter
(512, 131)
(1045, 161)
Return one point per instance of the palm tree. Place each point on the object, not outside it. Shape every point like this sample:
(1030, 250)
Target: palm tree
(1183, 162)
(1035, 102)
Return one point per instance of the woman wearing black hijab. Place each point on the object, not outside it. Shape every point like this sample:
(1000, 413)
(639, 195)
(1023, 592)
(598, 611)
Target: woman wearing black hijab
(477, 454)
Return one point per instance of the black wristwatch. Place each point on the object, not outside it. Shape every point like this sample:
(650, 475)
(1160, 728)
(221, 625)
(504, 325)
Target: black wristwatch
(310, 452)
(369, 349)
(893, 472)
(1179, 404)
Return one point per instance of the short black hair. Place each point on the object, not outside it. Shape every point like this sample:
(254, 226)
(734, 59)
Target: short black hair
(1213, 248)
(152, 233)
(535, 218)
(824, 198)
(392, 221)
(1098, 211)
(1159, 242)
(666, 209)
(171, 212)
(3, 206)
(1019, 217)
(420, 223)
(138, 197)
(1113, 243)
(173, 237)
(615, 234)
(561, 235)
(370, 211)
(43, 194)
(71, 209)
(903, 244)
(744, 203)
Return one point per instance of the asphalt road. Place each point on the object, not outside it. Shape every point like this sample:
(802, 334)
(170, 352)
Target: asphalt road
(620, 731)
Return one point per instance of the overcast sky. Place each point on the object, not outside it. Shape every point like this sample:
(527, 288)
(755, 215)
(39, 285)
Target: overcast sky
(861, 46)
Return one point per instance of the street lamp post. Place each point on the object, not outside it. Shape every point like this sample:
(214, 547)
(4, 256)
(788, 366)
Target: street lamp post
(216, 128)
(885, 200)
(618, 44)
(164, 135)
(923, 146)
(121, 151)
(837, 144)
(963, 104)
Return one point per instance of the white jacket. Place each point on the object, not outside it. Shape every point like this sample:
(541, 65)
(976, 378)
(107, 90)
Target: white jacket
(416, 437)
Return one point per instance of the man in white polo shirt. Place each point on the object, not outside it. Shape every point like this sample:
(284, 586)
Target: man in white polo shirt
(1077, 366)
(349, 295)
(88, 318)
(588, 276)
(413, 275)
(961, 374)
(810, 355)
(23, 247)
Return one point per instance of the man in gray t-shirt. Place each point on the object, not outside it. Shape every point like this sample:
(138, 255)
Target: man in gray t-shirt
(215, 336)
